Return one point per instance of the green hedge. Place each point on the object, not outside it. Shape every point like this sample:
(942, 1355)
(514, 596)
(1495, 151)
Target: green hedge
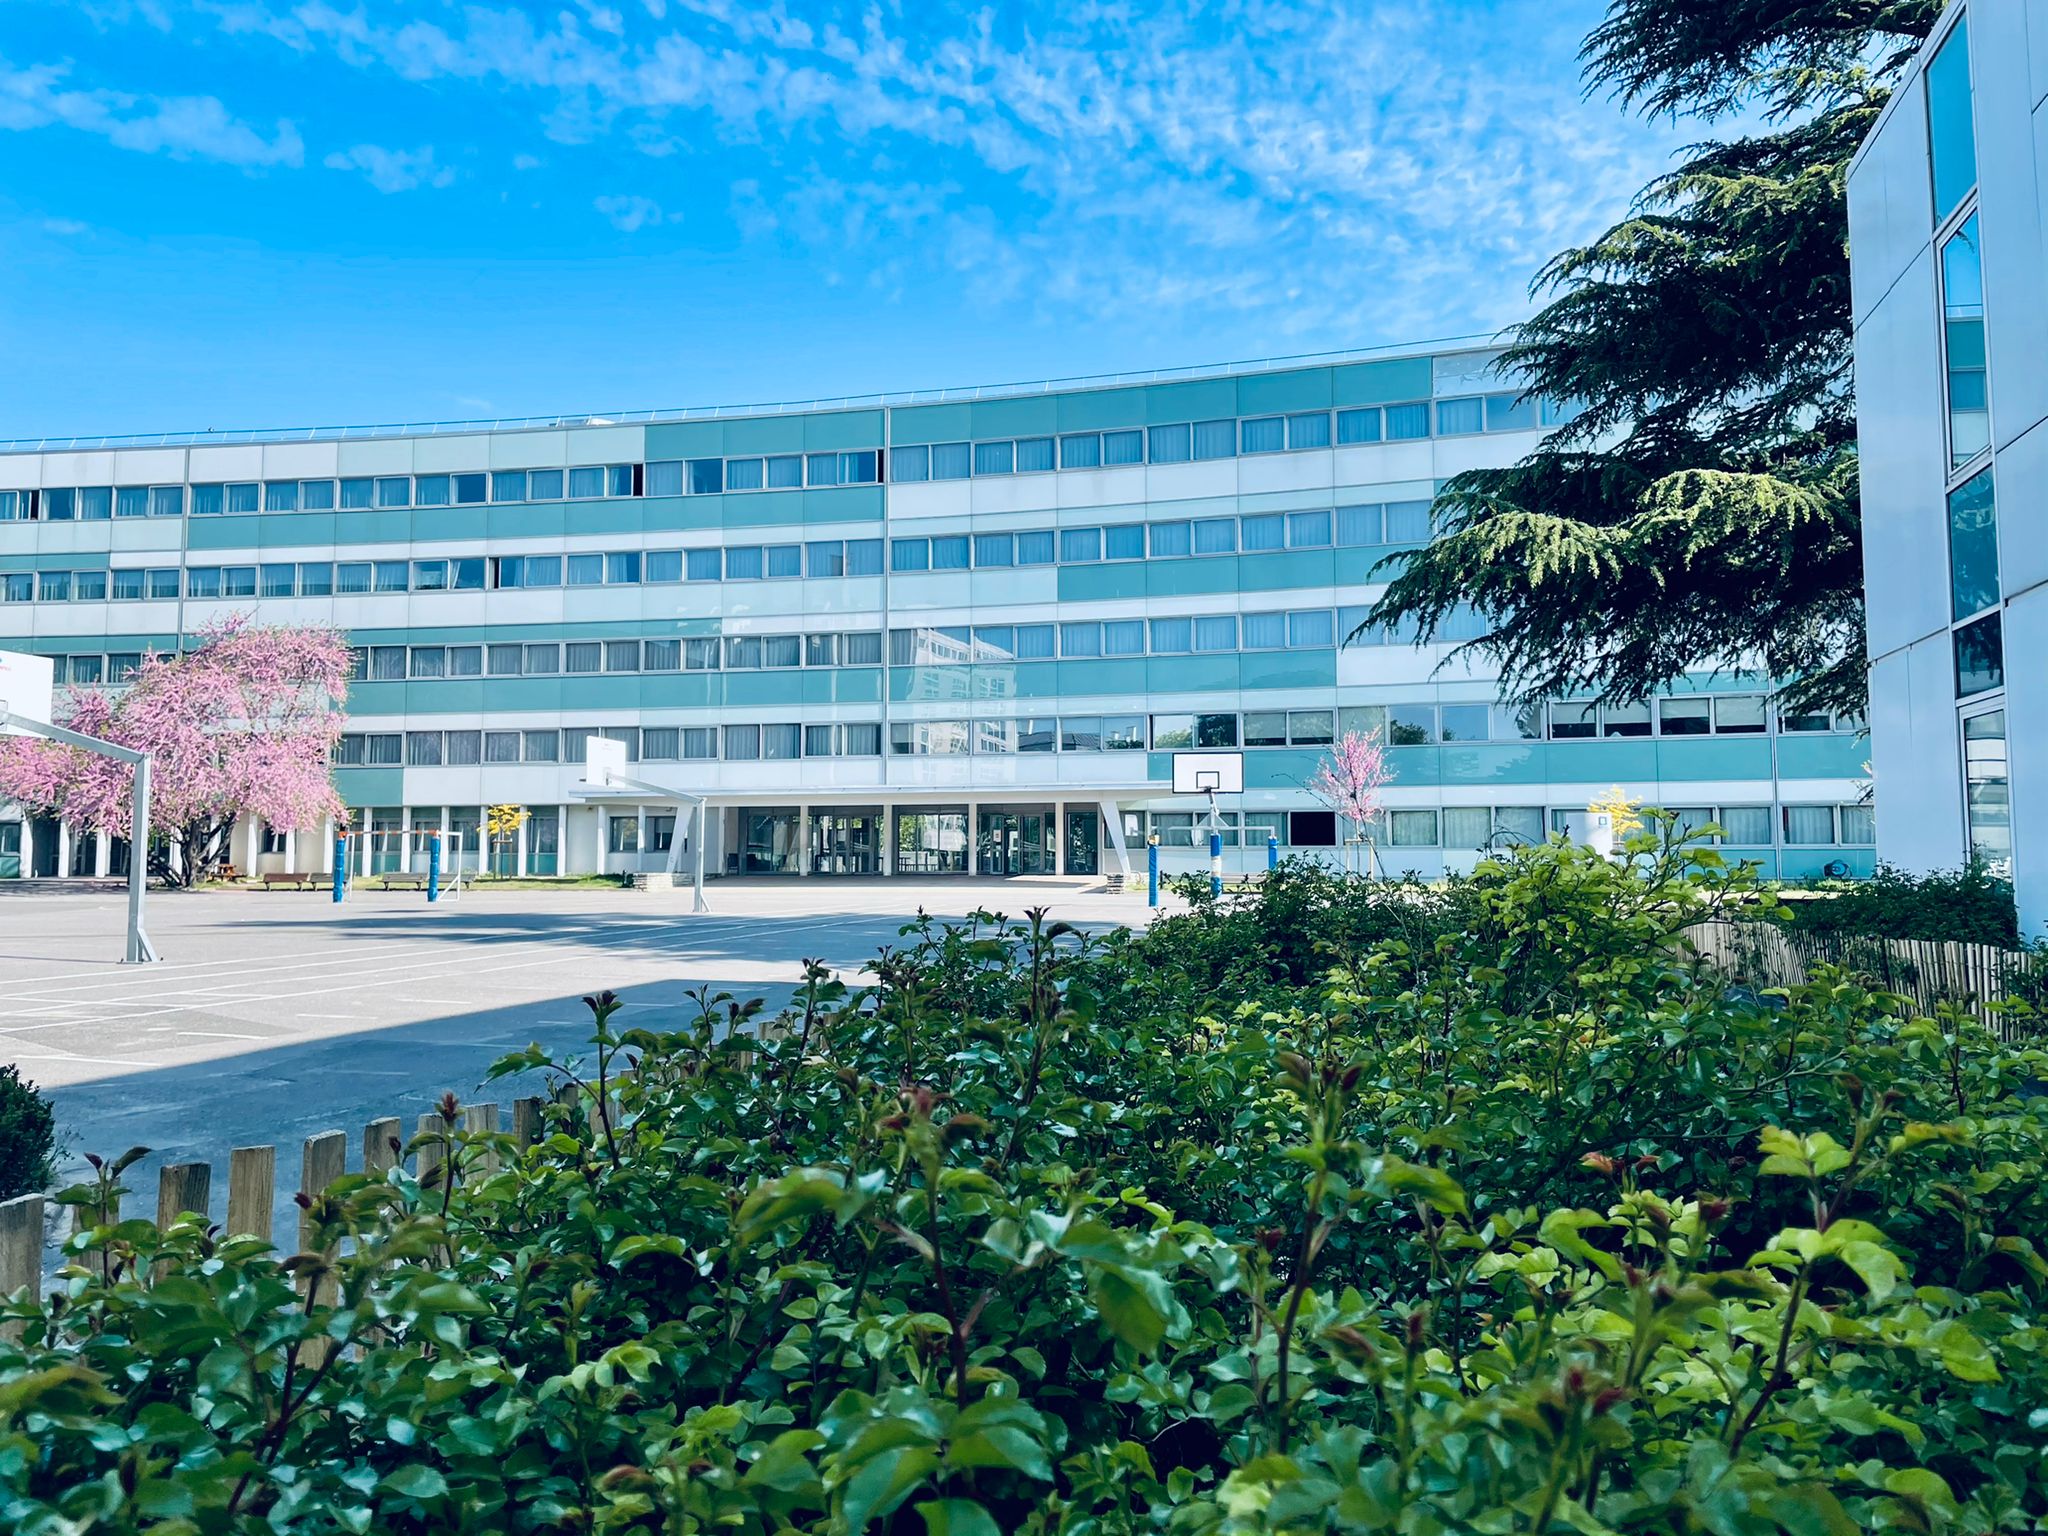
(1969, 905)
(1499, 1217)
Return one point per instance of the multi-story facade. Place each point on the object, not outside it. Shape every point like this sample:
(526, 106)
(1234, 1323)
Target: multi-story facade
(958, 632)
(1951, 314)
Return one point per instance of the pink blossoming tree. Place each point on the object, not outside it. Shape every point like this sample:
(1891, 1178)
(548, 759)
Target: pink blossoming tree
(1349, 782)
(245, 723)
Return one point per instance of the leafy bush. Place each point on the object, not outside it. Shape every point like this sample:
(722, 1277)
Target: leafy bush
(28, 1135)
(1521, 1225)
(1969, 905)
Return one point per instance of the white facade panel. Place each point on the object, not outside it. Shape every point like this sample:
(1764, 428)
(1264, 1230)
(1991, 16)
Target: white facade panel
(528, 450)
(375, 456)
(91, 468)
(300, 461)
(1891, 202)
(604, 445)
(239, 463)
(434, 455)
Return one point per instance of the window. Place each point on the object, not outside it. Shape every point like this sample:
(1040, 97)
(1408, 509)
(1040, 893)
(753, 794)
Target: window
(167, 501)
(1310, 629)
(664, 565)
(1684, 717)
(863, 557)
(392, 491)
(1215, 536)
(1980, 657)
(1808, 825)
(433, 490)
(660, 744)
(949, 552)
(1746, 826)
(1312, 829)
(907, 466)
(1951, 134)
(429, 661)
(622, 568)
(1310, 727)
(1265, 728)
(1858, 826)
(1467, 826)
(585, 483)
(1516, 824)
(1081, 733)
(1358, 426)
(1358, 525)
(423, 749)
(1215, 439)
(1739, 714)
(1171, 637)
(1987, 790)
(1962, 301)
(1080, 546)
(1973, 546)
(127, 586)
(1407, 522)
(1034, 455)
(1171, 445)
(207, 501)
(1123, 637)
(430, 575)
(1412, 829)
(1463, 722)
(781, 743)
(785, 472)
(1264, 434)
(1034, 642)
(995, 458)
(585, 571)
(503, 660)
(1174, 829)
(995, 549)
(1406, 422)
(279, 580)
(133, 500)
(1266, 531)
(1083, 451)
(622, 655)
(1033, 548)
(17, 586)
(740, 475)
(1812, 720)
(703, 564)
(544, 485)
(1264, 631)
(952, 461)
(910, 554)
(928, 738)
(1308, 530)
(501, 746)
(706, 478)
(1510, 413)
(55, 587)
(163, 584)
(508, 485)
(1309, 430)
(464, 749)
(662, 656)
(542, 746)
(390, 575)
(470, 489)
(1126, 541)
(1624, 719)
(1171, 539)
(861, 650)
(543, 660)
(1123, 447)
(1573, 722)
(201, 581)
(1081, 639)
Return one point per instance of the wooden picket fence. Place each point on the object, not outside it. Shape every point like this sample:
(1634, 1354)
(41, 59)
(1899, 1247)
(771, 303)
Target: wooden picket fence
(187, 1188)
(1928, 972)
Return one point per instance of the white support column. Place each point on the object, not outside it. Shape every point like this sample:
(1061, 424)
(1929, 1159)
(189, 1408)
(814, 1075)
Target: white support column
(640, 836)
(1059, 838)
(405, 839)
(28, 845)
(803, 840)
(562, 843)
(63, 850)
(101, 856)
(519, 849)
(1113, 828)
(888, 836)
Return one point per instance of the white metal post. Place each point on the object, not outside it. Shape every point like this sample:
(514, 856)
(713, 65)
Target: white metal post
(140, 950)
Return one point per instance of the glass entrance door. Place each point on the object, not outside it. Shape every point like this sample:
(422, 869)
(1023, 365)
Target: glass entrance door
(43, 830)
(1014, 843)
(10, 850)
(1084, 843)
(846, 842)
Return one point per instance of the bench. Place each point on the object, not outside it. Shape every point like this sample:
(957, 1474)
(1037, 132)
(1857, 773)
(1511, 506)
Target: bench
(296, 882)
(404, 882)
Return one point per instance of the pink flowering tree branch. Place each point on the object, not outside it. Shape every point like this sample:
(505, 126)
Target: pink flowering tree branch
(245, 723)
(1350, 778)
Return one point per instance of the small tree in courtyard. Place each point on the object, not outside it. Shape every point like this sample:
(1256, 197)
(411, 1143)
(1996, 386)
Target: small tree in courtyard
(502, 824)
(244, 723)
(1349, 781)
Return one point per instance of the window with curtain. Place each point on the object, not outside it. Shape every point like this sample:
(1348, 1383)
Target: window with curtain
(1125, 541)
(207, 500)
(908, 466)
(1808, 825)
(1310, 629)
(96, 502)
(781, 743)
(1264, 631)
(279, 580)
(541, 746)
(949, 552)
(1172, 636)
(1745, 826)
(586, 482)
(423, 749)
(1411, 829)
(1216, 439)
(543, 660)
(1123, 637)
(1216, 632)
(1263, 434)
(1358, 426)
(167, 501)
(583, 656)
(544, 485)
(743, 562)
(1081, 451)
(1171, 539)
(1081, 639)
(706, 478)
(1309, 429)
(1171, 445)
(785, 472)
(1267, 530)
(508, 485)
(392, 491)
(825, 558)
(1406, 422)
(358, 495)
(742, 475)
(703, 564)
(503, 660)
(1034, 642)
(1035, 547)
(1460, 416)
(785, 561)
(622, 655)
(1123, 447)
(742, 743)
(244, 498)
(995, 458)
(1215, 536)
(910, 554)
(1467, 827)
(1358, 525)
(1080, 546)
(1034, 455)
(281, 496)
(1407, 522)
(994, 549)
(952, 461)
(665, 477)
(133, 501)
(664, 565)
(1308, 530)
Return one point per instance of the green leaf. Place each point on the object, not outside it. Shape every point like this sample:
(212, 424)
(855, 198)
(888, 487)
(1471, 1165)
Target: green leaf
(415, 1480)
(1878, 1268)
(957, 1517)
(1962, 1354)
(883, 1482)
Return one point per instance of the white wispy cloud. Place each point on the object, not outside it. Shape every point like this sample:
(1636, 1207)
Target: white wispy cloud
(633, 213)
(1320, 170)
(184, 127)
(393, 170)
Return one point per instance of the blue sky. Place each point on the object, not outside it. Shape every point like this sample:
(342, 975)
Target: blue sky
(228, 213)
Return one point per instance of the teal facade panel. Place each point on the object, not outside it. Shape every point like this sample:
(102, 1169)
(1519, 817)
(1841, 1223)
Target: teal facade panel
(1582, 762)
(758, 689)
(1195, 400)
(913, 424)
(1189, 578)
(1018, 416)
(1712, 757)
(1096, 583)
(1100, 410)
(444, 696)
(1117, 678)
(1267, 394)
(1288, 669)
(1280, 768)
(842, 430)
(510, 695)
(1192, 674)
(686, 440)
(1283, 569)
(1390, 382)
(1823, 757)
(750, 436)
(540, 520)
(363, 787)
(1414, 766)
(1494, 762)
(679, 690)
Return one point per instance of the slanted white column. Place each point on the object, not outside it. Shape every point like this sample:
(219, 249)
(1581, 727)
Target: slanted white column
(63, 850)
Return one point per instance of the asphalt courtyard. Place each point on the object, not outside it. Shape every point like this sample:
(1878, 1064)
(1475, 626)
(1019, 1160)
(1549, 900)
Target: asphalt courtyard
(276, 1014)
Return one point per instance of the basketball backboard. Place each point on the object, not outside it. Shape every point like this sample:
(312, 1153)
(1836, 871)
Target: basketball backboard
(25, 688)
(603, 760)
(1208, 773)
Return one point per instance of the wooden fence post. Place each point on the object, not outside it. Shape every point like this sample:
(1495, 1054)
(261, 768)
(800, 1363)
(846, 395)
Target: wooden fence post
(324, 1160)
(183, 1187)
(252, 1190)
(527, 1120)
(21, 1246)
(430, 1154)
(382, 1145)
(481, 1119)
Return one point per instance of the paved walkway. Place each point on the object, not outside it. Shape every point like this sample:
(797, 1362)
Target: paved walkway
(276, 1014)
